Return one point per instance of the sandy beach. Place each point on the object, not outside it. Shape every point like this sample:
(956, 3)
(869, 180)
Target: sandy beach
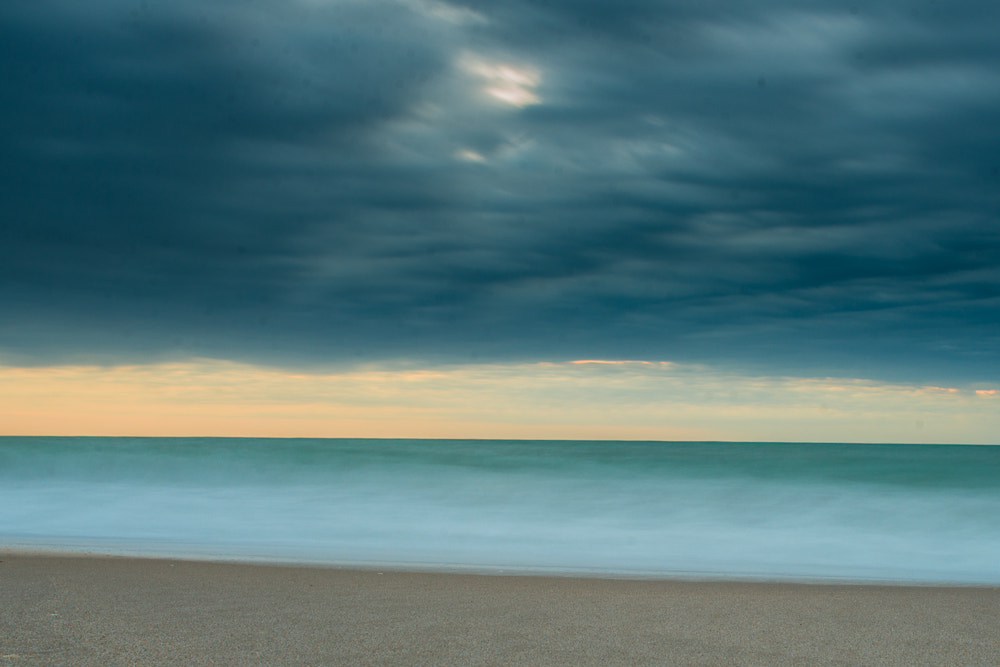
(127, 611)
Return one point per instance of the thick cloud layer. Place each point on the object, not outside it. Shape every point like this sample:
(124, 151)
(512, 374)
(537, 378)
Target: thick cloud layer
(807, 188)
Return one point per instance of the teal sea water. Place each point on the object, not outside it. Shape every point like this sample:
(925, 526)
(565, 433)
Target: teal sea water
(784, 511)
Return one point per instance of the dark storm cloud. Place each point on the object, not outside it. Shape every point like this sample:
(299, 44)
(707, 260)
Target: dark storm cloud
(806, 189)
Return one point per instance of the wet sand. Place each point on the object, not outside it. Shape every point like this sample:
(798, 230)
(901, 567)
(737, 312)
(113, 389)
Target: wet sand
(125, 611)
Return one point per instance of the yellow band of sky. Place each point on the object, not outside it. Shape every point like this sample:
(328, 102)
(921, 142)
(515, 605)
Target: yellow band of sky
(584, 399)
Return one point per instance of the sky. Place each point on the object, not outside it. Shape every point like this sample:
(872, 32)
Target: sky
(780, 220)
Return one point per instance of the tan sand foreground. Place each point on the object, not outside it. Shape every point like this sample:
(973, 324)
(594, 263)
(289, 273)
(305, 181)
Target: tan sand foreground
(125, 611)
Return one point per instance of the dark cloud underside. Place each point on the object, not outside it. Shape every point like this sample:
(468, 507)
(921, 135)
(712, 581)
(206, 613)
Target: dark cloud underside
(799, 187)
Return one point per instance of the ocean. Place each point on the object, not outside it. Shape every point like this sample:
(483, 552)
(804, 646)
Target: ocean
(777, 511)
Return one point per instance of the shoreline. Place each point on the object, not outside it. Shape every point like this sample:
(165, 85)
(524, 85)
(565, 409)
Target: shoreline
(100, 609)
(222, 558)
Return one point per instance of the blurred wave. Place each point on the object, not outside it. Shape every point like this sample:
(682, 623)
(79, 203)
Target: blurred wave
(842, 511)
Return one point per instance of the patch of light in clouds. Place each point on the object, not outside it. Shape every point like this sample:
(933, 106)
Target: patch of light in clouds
(512, 84)
(469, 155)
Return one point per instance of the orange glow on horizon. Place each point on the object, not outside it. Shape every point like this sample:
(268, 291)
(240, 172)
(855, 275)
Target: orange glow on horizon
(575, 400)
